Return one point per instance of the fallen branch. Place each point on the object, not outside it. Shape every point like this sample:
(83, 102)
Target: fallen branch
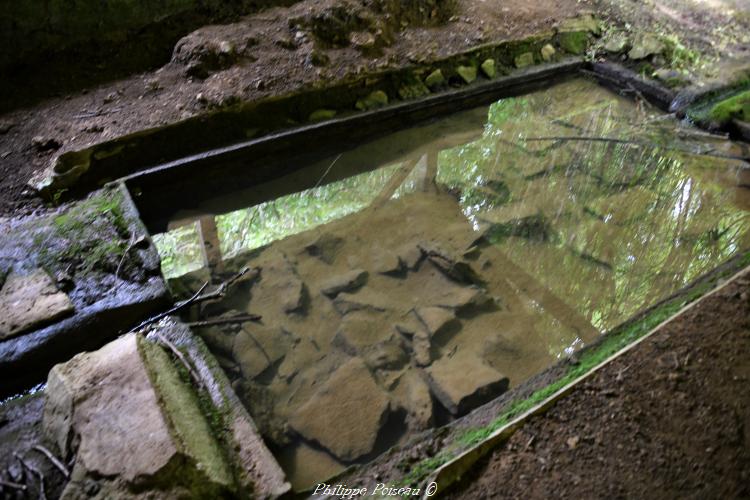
(131, 244)
(195, 299)
(52, 458)
(180, 357)
(33, 470)
(173, 310)
(13, 486)
(242, 318)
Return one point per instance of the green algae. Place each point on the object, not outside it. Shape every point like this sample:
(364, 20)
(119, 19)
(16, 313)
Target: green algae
(735, 107)
(189, 424)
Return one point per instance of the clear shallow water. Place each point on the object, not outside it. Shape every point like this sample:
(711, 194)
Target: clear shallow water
(571, 208)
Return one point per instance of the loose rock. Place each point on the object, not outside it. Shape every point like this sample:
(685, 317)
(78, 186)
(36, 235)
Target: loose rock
(29, 301)
(435, 79)
(617, 43)
(467, 73)
(320, 115)
(524, 60)
(488, 68)
(548, 53)
(102, 408)
(374, 100)
(646, 45)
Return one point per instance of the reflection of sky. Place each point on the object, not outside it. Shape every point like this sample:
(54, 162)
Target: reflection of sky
(630, 224)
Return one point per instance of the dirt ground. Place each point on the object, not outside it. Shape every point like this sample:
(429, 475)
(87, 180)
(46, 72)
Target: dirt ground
(20, 432)
(272, 60)
(668, 419)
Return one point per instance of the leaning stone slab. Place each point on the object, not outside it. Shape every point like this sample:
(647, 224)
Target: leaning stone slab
(345, 416)
(125, 415)
(464, 382)
(256, 469)
(30, 300)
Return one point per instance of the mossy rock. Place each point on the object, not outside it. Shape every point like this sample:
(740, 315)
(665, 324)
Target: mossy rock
(524, 60)
(412, 88)
(435, 79)
(548, 52)
(617, 42)
(467, 73)
(736, 107)
(645, 45)
(320, 115)
(585, 23)
(189, 425)
(488, 68)
(574, 42)
(374, 100)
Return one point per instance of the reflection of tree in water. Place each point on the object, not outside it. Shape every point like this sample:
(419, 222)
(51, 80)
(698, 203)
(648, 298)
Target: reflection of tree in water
(609, 227)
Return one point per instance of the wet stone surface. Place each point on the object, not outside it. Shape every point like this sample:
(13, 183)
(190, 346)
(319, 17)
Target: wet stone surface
(511, 240)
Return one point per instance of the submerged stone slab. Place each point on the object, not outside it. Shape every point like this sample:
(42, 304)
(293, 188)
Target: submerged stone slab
(346, 282)
(256, 348)
(434, 319)
(326, 246)
(131, 421)
(365, 300)
(464, 381)
(413, 394)
(345, 416)
(30, 300)
(359, 332)
(280, 287)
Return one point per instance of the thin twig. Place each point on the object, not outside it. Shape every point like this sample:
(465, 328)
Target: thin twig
(11, 485)
(52, 458)
(33, 470)
(242, 318)
(131, 243)
(176, 308)
(327, 170)
(181, 357)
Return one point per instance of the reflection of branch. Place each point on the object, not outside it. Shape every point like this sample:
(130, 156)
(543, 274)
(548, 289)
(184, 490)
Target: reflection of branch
(394, 182)
(240, 318)
(585, 138)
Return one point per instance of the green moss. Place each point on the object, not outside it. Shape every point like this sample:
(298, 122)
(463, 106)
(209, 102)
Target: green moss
(91, 235)
(184, 411)
(736, 107)
(679, 56)
(574, 42)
